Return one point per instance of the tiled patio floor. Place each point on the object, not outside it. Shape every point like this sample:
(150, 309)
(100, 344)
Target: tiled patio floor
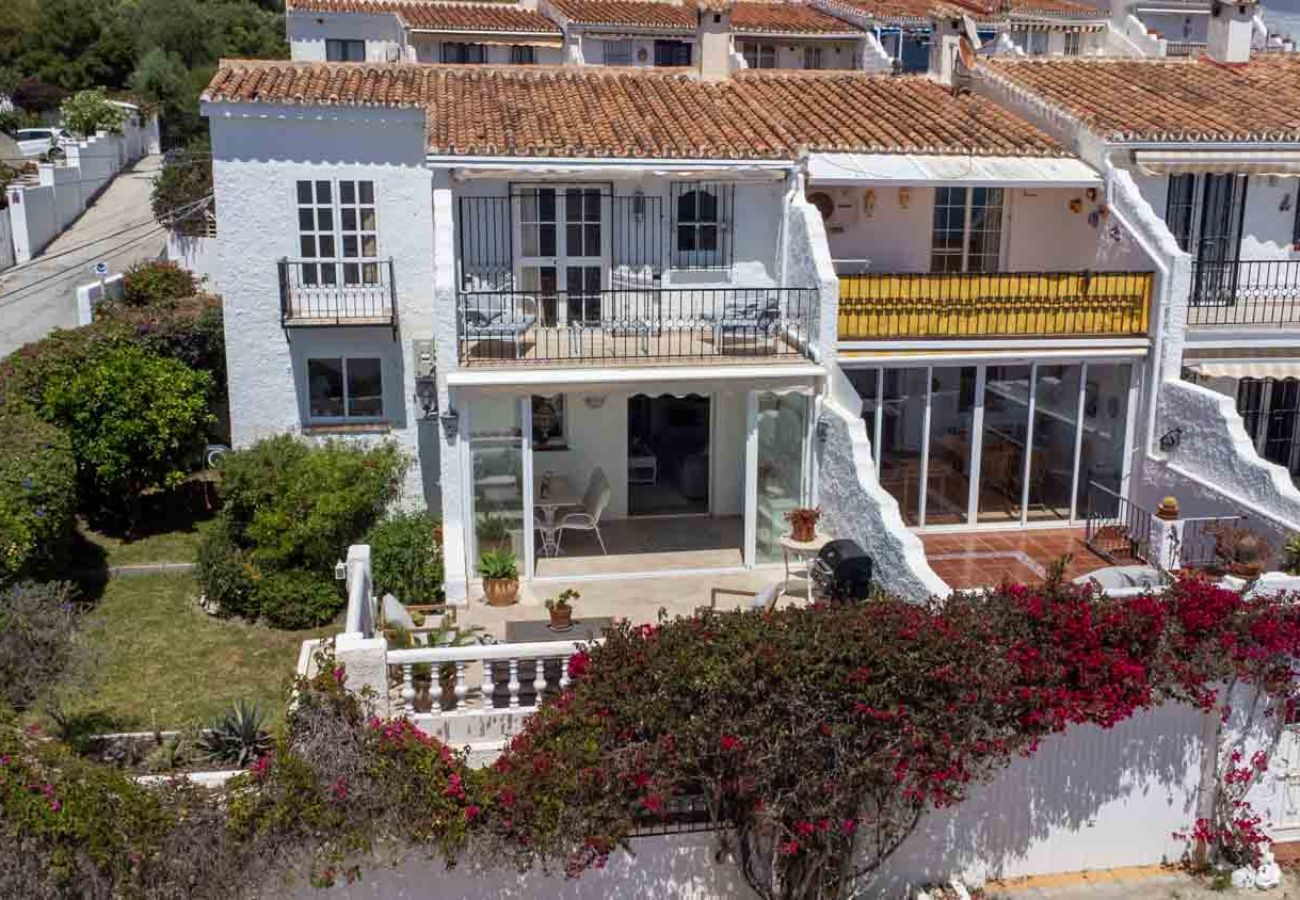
(987, 558)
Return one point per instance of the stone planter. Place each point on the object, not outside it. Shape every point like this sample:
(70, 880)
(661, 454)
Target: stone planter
(501, 591)
(562, 618)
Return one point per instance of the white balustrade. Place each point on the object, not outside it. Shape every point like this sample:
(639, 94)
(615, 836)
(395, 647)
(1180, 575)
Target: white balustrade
(497, 660)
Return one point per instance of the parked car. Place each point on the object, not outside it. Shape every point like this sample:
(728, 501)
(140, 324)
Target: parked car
(35, 142)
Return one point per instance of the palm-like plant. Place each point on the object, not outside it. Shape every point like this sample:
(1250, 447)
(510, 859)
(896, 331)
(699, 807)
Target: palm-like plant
(237, 736)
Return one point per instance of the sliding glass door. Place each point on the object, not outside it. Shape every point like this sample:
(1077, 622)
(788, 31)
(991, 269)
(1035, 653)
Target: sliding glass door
(997, 444)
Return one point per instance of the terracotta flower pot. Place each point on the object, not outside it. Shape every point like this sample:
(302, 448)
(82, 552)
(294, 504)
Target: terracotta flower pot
(802, 531)
(562, 618)
(501, 591)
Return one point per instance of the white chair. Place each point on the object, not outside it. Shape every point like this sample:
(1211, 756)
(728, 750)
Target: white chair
(587, 518)
(549, 533)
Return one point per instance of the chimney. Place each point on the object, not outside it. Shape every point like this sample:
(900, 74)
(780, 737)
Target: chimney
(1231, 31)
(713, 38)
(945, 43)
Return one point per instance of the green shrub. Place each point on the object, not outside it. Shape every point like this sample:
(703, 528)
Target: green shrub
(157, 282)
(136, 421)
(298, 505)
(38, 491)
(228, 579)
(89, 111)
(299, 598)
(37, 635)
(497, 564)
(405, 558)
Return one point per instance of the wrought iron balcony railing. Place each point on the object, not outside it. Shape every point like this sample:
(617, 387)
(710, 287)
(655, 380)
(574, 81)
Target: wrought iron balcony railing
(1002, 304)
(1264, 292)
(329, 292)
(634, 325)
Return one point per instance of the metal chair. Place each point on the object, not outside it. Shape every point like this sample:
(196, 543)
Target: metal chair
(587, 518)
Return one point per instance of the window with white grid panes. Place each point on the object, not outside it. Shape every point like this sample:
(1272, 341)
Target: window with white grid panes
(338, 233)
(967, 230)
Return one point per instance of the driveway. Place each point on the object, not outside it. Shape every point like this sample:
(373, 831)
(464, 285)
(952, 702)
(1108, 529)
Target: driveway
(39, 296)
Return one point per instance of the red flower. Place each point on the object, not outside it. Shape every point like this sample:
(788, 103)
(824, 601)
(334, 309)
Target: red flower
(730, 742)
(579, 663)
(653, 803)
(789, 848)
(471, 811)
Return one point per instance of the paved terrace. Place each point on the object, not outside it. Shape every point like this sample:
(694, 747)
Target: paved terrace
(987, 558)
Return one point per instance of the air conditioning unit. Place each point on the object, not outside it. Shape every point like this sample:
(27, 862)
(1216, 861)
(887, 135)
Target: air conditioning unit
(842, 207)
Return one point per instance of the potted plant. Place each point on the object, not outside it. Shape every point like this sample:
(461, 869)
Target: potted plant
(500, 576)
(493, 533)
(1240, 551)
(561, 609)
(803, 523)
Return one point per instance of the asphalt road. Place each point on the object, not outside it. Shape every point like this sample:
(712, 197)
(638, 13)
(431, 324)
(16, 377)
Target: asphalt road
(39, 296)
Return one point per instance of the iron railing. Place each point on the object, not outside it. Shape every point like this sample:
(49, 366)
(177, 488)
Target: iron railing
(316, 292)
(1184, 48)
(1115, 528)
(1249, 292)
(635, 323)
(1001, 304)
(1198, 548)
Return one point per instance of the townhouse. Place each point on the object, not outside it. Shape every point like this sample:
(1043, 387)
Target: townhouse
(864, 35)
(1207, 148)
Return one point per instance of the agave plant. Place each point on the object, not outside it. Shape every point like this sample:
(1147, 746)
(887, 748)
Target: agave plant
(237, 737)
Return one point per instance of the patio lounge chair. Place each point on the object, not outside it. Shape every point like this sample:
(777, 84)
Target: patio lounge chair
(587, 518)
(497, 320)
(749, 319)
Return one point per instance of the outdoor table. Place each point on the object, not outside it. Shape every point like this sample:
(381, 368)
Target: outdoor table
(802, 551)
(552, 493)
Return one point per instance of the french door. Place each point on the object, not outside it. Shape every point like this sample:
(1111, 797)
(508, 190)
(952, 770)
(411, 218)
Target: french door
(563, 246)
(1205, 214)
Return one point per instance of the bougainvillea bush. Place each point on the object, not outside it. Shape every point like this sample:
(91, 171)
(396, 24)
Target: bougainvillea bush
(819, 737)
(815, 739)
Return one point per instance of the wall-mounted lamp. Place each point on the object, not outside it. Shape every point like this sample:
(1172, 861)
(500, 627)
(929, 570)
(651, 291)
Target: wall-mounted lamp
(823, 429)
(869, 202)
(1076, 205)
(594, 401)
(1171, 439)
(340, 571)
(426, 378)
(638, 205)
(1286, 202)
(904, 197)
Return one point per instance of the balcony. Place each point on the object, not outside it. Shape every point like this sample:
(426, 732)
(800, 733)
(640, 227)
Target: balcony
(320, 293)
(641, 326)
(998, 305)
(1260, 294)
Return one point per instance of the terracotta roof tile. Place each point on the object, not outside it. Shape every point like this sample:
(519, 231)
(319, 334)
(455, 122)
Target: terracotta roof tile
(1166, 99)
(477, 17)
(658, 15)
(899, 10)
(556, 111)
(756, 16)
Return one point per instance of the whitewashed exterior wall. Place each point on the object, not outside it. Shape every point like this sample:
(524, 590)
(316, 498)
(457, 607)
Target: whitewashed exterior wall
(428, 49)
(308, 33)
(197, 254)
(259, 153)
(1266, 228)
(7, 259)
(835, 54)
(33, 218)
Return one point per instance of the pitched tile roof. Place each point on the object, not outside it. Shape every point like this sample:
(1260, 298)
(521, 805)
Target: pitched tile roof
(556, 111)
(1134, 100)
(898, 10)
(477, 17)
(657, 15)
(757, 16)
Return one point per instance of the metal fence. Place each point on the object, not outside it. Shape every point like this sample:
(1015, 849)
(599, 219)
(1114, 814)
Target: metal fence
(337, 292)
(634, 324)
(1250, 292)
(1001, 304)
(1115, 528)
(1198, 548)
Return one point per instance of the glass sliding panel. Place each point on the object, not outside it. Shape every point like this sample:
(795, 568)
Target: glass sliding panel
(782, 429)
(1056, 424)
(983, 253)
(948, 230)
(1006, 424)
(952, 416)
(496, 455)
(902, 437)
(1105, 420)
(867, 383)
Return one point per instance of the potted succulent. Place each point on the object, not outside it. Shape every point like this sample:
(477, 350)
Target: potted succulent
(803, 523)
(561, 609)
(500, 576)
(1240, 551)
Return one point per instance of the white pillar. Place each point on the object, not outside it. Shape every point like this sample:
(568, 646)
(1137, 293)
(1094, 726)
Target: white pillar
(1166, 536)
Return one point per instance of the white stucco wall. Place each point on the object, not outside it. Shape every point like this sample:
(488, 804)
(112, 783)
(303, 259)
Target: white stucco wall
(643, 48)
(836, 54)
(428, 49)
(309, 31)
(259, 152)
(6, 241)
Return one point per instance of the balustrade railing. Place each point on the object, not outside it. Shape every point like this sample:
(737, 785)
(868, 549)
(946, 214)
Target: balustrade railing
(1250, 292)
(342, 292)
(482, 678)
(1115, 528)
(1001, 304)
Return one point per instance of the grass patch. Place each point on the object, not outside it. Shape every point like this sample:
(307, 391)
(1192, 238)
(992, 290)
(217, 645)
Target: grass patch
(180, 546)
(157, 660)
(167, 528)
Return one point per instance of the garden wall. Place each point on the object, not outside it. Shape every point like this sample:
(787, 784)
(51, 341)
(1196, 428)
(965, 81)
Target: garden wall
(6, 241)
(1092, 798)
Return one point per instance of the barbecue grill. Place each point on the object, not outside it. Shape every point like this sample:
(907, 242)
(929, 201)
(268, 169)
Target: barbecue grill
(842, 570)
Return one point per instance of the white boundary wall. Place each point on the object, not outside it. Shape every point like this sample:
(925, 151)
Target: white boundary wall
(7, 259)
(197, 254)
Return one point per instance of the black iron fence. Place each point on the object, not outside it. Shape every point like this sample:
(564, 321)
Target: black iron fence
(996, 304)
(1115, 528)
(634, 323)
(330, 292)
(1200, 546)
(1248, 292)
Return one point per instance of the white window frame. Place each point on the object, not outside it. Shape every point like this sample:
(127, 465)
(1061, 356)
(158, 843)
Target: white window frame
(359, 268)
(967, 233)
(345, 362)
(1073, 43)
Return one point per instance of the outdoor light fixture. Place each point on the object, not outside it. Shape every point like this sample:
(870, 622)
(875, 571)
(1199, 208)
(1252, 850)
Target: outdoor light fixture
(426, 378)
(1171, 439)
(450, 423)
(823, 429)
(340, 571)
(638, 205)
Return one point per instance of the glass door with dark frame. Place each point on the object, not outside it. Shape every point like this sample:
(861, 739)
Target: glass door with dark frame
(1205, 212)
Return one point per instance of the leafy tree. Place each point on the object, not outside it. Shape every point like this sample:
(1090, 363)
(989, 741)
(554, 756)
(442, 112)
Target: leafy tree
(89, 111)
(34, 95)
(186, 179)
(136, 421)
(38, 491)
(160, 76)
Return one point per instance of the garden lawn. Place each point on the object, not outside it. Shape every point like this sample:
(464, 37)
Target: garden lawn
(157, 660)
(178, 546)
